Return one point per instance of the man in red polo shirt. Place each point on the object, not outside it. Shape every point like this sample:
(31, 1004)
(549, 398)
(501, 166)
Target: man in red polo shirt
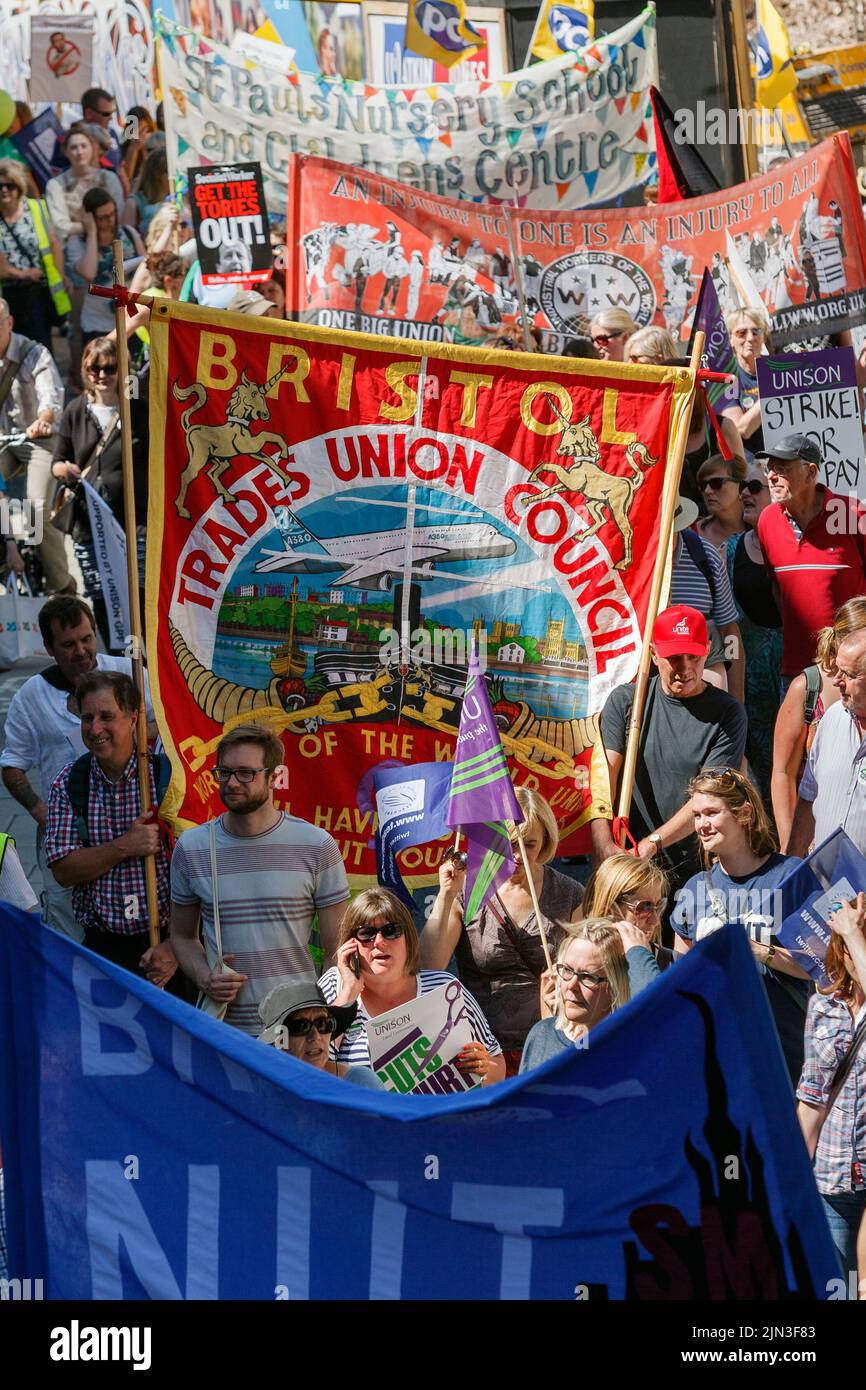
(814, 547)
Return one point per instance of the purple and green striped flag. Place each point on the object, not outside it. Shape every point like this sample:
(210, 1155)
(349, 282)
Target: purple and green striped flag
(482, 796)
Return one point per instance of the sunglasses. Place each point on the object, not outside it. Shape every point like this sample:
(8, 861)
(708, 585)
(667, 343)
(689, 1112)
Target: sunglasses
(566, 974)
(715, 483)
(300, 1027)
(645, 909)
(753, 485)
(102, 371)
(725, 774)
(9, 187)
(742, 333)
(391, 931)
(602, 339)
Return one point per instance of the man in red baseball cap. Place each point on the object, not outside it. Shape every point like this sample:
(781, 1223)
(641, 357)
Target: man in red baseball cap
(687, 725)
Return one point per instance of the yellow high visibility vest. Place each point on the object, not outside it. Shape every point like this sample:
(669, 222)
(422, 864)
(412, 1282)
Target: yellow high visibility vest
(55, 280)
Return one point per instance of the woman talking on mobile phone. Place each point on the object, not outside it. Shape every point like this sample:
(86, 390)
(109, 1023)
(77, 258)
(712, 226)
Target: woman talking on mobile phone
(377, 964)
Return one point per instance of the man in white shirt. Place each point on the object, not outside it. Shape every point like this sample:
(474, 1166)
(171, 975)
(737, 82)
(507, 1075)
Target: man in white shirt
(833, 786)
(43, 733)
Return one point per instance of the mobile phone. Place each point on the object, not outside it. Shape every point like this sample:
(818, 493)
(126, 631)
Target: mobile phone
(355, 964)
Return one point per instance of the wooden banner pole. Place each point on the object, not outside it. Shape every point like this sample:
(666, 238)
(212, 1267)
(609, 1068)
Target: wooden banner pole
(663, 554)
(135, 635)
(534, 896)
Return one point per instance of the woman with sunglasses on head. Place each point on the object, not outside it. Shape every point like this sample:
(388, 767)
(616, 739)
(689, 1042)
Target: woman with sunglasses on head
(806, 701)
(836, 1137)
(610, 331)
(749, 331)
(499, 953)
(760, 627)
(718, 481)
(88, 445)
(591, 982)
(378, 961)
(633, 894)
(297, 1019)
(739, 885)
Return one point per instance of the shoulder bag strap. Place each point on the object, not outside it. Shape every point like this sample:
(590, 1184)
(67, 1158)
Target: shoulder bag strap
(23, 249)
(10, 371)
(214, 884)
(499, 914)
(842, 1072)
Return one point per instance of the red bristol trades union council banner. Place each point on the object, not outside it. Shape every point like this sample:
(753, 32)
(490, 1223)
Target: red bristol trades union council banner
(369, 254)
(313, 491)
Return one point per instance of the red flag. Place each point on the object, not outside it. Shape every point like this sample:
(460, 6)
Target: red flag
(682, 172)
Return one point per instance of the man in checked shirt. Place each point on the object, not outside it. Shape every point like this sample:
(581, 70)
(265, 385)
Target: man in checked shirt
(101, 855)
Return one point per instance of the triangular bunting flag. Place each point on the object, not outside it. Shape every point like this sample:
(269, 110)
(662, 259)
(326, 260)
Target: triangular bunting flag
(390, 95)
(484, 87)
(370, 92)
(637, 39)
(445, 138)
(593, 53)
(203, 47)
(182, 145)
(639, 161)
(602, 111)
(539, 131)
(619, 103)
(423, 143)
(635, 100)
(561, 190)
(409, 93)
(591, 180)
(505, 88)
(641, 134)
(513, 136)
(612, 53)
(432, 92)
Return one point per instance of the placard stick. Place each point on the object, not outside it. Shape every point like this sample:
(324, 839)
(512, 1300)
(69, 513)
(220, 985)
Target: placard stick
(132, 576)
(533, 893)
(518, 282)
(663, 555)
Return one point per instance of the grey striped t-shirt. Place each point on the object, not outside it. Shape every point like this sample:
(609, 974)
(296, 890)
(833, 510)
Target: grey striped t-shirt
(270, 888)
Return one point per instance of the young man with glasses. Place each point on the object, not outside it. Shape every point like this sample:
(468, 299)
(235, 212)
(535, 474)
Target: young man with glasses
(99, 108)
(813, 546)
(274, 875)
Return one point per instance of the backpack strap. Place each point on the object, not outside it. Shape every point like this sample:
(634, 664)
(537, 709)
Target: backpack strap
(701, 561)
(813, 690)
(77, 789)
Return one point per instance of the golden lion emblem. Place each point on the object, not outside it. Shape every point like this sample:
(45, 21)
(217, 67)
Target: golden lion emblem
(607, 496)
(212, 448)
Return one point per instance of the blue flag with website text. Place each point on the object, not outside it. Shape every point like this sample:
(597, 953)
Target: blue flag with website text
(152, 1152)
(833, 873)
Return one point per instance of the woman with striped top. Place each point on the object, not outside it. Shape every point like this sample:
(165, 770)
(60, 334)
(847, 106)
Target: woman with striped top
(378, 938)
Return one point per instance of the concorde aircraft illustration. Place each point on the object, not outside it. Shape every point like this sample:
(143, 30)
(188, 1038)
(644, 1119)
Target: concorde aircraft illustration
(373, 561)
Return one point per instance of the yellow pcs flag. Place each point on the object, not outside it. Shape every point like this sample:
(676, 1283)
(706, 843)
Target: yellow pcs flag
(562, 28)
(439, 29)
(774, 71)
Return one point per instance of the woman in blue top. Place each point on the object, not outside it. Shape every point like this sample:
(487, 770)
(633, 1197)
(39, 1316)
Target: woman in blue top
(592, 981)
(741, 886)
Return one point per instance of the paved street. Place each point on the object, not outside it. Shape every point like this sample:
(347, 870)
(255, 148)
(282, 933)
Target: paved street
(13, 819)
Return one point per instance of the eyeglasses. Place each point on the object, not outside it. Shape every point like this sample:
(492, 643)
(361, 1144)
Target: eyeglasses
(782, 466)
(300, 1027)
(646, 908)
(9, 188)
(102, 370)
(753, 485)
(715, 483)
(391, 931)
(243, 774)
(602, 339)
(566, 974)
(105, 114)
(741, 333)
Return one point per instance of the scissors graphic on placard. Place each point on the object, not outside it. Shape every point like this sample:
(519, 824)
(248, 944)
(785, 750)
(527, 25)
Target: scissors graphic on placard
(453, 992)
